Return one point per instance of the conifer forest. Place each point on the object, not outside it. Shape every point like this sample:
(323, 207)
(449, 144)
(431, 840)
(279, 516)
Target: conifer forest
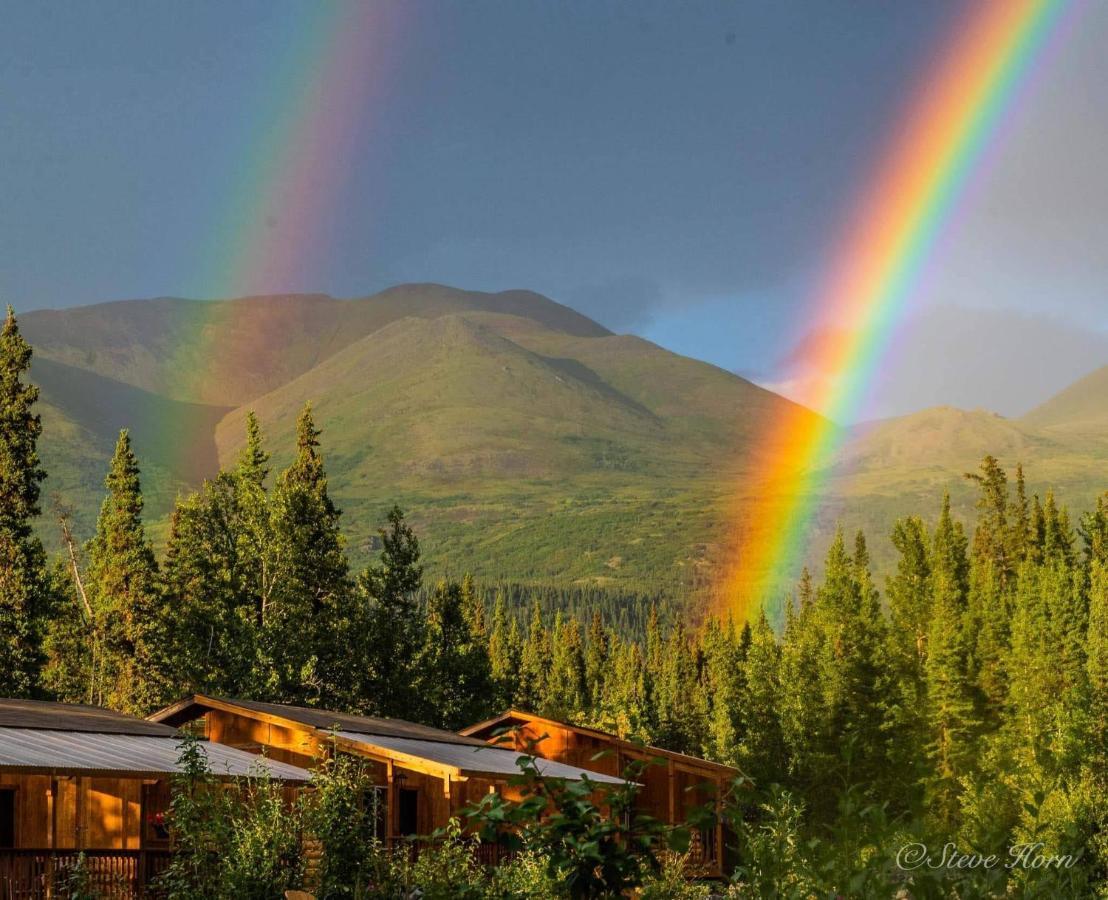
(961, 703)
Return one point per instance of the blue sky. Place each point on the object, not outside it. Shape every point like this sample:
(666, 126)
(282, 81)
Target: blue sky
(672, 169)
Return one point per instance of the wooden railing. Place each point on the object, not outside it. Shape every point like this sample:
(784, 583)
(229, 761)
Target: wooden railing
(113, 874)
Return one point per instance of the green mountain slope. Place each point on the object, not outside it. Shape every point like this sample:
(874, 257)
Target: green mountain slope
(523, 451)
(1082, 407)
(901, 466)
(525, 440)
(229, 351)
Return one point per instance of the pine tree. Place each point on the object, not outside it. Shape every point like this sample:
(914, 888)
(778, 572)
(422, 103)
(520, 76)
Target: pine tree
(992, 540)
(452, 677)
(761, 752)
(24, 587)
(534, 662)
(123, 590)
(952, 720)
(384, 629)
(678, 696)
(502, 667)
(1096, 653)
(724, 682)
(1094, 532)
(596, 659)
(307, 604)
(565, 689)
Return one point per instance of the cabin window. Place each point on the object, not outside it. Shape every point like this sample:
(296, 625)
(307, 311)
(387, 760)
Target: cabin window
(407, 805)
(7, 817)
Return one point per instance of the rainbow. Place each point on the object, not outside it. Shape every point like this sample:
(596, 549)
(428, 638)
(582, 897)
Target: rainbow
(296, 153)
(875, 272)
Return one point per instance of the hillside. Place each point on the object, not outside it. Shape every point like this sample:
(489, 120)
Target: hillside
(1082, 407)
(227, 352)
(903, 465)
(525, 441)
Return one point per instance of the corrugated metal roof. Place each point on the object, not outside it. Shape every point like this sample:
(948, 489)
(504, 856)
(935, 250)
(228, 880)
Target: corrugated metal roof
(81, 752)
(478, 760)
(323, 719)
(514, 718)
(74, 717)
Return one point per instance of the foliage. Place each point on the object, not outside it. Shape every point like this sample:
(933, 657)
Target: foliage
(592, 840)
(24, 588)
(241, 840)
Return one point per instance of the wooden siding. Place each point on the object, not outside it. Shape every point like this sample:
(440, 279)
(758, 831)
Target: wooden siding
(90, 813)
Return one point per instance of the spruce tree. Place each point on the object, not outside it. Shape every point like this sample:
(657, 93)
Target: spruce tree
(452, 678)
(761, 751)
(307, 605)
(596, 659)
(534, 663)
(565, 689)
(384, 630)
(951, 714)
(1096, 654)
(502, 667)
(124, 592)
(24, 588)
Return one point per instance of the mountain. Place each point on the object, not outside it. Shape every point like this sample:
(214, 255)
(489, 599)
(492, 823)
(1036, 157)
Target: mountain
(525, 440)
(902, 466)
(226, 352)
(1081, 407)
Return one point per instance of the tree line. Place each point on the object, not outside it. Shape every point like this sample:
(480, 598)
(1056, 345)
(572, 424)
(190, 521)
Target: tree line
(968, 701)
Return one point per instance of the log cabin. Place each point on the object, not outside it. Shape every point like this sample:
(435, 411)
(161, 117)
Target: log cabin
(672, 784)
(79, 779)
(424, 775)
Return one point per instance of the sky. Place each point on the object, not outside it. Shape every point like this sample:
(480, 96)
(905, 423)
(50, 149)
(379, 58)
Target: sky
(675, 170)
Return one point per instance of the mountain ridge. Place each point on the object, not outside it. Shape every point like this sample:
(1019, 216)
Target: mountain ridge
(526, 441)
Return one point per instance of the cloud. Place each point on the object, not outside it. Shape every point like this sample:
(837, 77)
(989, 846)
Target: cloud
(1000, 360)
(623, 303)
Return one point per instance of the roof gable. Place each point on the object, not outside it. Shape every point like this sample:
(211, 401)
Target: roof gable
(513, 718)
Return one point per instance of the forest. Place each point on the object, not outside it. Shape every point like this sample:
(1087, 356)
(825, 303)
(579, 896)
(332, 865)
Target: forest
(962, 705)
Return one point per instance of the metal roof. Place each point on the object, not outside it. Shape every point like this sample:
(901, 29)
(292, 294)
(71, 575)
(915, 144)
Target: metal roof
(476, 760)
(74, 717)
(323, 719)
(513, 718)
(89, 753)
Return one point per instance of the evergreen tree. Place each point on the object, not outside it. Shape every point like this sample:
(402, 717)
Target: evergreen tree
(1094, 532)
(910, 610)
(678, 696)
(307, 603)
(565, 689)
(596, 659)
(723, 680)
(1096, 654)
(950, 708)
(533, 663)
(452, 677)
(503, 664)
(384, 629)
(24, 587)
(761, 752)
(129, 671)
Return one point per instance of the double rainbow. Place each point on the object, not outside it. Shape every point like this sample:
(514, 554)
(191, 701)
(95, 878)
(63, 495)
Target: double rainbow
(875, 272)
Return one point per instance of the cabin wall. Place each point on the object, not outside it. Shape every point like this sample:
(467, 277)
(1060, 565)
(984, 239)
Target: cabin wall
(90, 813)
(289, 745)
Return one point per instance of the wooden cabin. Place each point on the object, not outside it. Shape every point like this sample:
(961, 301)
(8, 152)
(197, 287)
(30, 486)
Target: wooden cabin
(672, 784)
(84, 779)
(425, 775)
